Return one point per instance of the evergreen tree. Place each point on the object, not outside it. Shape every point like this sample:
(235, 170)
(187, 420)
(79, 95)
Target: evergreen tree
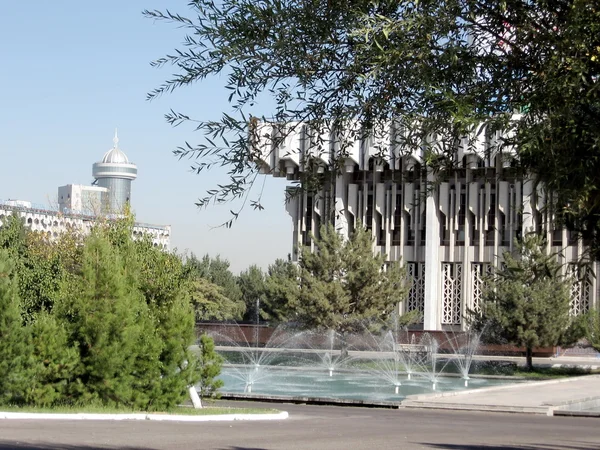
(252, 285)
(592, 328)
(165, 285)
(210, 368)
(54, 362)
(109, 323)
(343, 285)
(281, 291)
(527, 301)
(14, 346)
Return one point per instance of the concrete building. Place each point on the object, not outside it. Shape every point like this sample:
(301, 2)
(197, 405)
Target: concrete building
(449, 230)
(80, 207)
(90, 200)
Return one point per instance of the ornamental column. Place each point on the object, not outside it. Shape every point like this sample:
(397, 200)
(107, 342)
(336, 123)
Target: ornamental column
(432, 264)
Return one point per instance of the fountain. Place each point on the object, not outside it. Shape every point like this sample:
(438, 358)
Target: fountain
(327, 346)
(247, 360)
(464, 348)
(384, 366)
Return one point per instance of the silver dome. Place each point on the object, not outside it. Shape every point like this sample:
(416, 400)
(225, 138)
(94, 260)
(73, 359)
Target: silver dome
(115, 155)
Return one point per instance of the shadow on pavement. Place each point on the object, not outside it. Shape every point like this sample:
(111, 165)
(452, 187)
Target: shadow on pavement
(242, 448)
(11, 445)
(579, 446)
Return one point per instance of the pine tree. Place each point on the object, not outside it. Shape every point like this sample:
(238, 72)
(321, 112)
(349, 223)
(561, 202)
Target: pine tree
(210, 368)
(343, 284)
(527, 302)
(281, 291)
(109, 322)
(15, 350)
(166, 286)
(54, 361)
(252, 285)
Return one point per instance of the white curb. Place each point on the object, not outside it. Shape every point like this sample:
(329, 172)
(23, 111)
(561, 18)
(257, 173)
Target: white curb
(162, 417)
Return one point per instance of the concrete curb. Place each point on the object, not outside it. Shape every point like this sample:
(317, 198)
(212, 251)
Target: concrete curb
(156, 417)
(523, 384)
(539, 410)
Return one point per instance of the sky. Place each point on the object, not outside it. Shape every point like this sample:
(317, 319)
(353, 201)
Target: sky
(74, 71)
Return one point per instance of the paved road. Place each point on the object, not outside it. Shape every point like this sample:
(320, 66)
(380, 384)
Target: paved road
(317, 427)
(536, 397)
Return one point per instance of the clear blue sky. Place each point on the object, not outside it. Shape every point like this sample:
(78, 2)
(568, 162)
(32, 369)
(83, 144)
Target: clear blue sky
(72, 71)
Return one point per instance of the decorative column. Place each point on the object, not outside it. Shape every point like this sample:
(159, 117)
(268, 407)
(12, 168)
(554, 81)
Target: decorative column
(432, 264)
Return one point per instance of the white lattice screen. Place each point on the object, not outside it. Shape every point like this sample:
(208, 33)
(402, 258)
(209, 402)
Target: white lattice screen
(452, 293)
(581, 289)
(478, 273)
(416, 294)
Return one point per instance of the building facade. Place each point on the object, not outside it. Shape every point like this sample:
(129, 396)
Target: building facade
(449, 229)
(52, 222)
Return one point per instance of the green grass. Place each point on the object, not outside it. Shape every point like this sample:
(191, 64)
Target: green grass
(554, 372)
(511, 369)
(94, 409)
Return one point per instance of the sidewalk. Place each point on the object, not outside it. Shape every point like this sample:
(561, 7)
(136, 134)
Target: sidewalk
(535, 397)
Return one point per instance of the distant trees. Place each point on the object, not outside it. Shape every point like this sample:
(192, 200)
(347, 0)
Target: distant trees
(215, 289)
(526, 302)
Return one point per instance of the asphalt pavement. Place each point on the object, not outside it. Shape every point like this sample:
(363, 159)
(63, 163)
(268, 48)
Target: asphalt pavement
(316, 427)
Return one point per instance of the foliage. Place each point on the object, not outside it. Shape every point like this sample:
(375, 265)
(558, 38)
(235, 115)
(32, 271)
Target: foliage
(343, 285)
(210, 303)
(527, 301)
(591, 325)
(54, 361)
(252, 284)
(14, 346)
(216, 271)
(40, 263)
(281, 291)
(109, 322)
(441, 67)
(210, 362)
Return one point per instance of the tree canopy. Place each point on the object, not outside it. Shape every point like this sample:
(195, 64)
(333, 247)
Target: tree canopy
(342, 285)
(527, 67)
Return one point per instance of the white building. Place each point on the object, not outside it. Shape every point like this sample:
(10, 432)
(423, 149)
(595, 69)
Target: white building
(53, 222)
(448, 231)
(82, 199)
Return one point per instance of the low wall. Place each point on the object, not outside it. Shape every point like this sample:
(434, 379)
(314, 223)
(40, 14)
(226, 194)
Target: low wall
(260, 335)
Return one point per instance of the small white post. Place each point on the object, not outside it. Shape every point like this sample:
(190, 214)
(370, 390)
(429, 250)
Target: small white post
(195, 397)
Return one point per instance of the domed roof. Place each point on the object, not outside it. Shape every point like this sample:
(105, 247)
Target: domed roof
(115, 155)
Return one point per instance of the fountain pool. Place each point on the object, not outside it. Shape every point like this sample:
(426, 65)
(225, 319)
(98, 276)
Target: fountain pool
(385, 367)
(343, 385)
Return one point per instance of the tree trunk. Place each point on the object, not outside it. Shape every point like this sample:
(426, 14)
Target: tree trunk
(529, 358)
